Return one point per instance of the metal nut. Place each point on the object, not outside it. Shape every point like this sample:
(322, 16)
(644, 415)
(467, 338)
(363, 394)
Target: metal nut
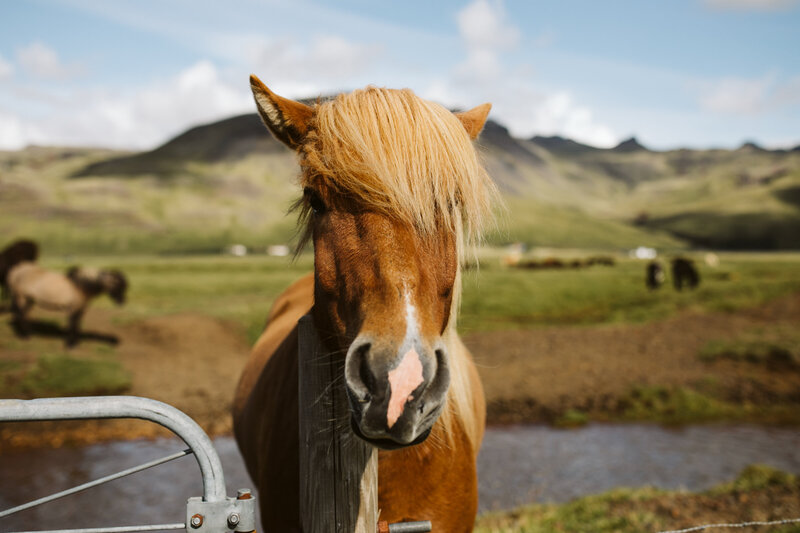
(233, 520)
(196, 521)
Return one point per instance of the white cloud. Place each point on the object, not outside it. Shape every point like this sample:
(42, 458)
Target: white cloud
(6, 69)
(152, 114)
(142, 117)
(483, 25)
(327, 62)
(734, 95)
(558, 114)
(486, 33)
(748, 96)
(11, 134)
(41, 61)
(139, 119)
(788, 93)
(519, 101)
(751, 5)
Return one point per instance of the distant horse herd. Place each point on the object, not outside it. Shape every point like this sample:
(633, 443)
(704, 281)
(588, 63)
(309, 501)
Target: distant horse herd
(27, 284)
(555, 263)
(684, 274)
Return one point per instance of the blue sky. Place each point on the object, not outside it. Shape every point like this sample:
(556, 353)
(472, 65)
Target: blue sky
(678, 73)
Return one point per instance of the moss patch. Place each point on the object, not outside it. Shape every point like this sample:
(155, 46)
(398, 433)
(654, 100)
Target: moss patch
(758, 493)
(64, 375)
(781, 353)
(673, 405)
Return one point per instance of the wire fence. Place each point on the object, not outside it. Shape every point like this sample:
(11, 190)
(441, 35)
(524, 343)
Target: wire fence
(783, 521)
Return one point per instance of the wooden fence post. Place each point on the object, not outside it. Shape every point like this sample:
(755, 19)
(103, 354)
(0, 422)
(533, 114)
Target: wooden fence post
(338, 471)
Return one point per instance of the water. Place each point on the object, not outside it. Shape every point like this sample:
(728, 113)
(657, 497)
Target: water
(517, 465)
(523, 464)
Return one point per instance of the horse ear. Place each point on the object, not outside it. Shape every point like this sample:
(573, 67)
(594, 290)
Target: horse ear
(286, 119)
(474, 119)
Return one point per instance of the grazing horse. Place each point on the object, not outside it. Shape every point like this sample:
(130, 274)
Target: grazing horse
(393, 192)
(654, 275)
(684, 273)
(16, 252)
(30, 285)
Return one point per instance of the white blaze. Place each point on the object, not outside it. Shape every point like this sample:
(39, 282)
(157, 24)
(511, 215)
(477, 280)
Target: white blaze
(407, 376)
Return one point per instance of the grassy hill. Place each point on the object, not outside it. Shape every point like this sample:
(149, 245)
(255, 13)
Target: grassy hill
(231, 182)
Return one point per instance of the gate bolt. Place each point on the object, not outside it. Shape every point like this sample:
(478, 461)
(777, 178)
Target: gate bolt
(196, 521)
(243, 494)
(233, 520)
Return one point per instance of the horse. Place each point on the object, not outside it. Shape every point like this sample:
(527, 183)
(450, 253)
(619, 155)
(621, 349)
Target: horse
(32, 285)
(654, 275)
(394, 193)
(16, 252)
(684, 272)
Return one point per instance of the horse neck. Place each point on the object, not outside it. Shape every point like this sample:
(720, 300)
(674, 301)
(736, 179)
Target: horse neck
(89, 286)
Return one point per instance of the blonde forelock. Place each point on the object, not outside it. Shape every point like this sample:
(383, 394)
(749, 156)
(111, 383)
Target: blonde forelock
(396, 153)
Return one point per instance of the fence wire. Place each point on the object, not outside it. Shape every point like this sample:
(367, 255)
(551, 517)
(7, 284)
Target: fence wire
(739, 525)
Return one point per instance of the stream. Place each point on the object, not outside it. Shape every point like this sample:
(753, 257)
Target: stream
(517, 465)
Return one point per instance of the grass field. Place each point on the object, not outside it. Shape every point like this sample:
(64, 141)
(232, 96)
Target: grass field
(497, 301)
(495, 297)
(759, 493)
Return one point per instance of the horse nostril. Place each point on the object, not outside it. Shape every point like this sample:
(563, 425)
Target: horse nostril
(364, 371)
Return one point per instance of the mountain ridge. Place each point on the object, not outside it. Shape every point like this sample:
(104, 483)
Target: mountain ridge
(559, 191)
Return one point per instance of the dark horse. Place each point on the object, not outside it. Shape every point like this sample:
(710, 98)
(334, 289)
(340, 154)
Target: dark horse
(393, 190)
(16, 252)
(654, 275)
(684, 273)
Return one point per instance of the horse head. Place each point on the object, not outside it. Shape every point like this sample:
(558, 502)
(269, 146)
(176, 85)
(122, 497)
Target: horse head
(391, 186)
(115, 284)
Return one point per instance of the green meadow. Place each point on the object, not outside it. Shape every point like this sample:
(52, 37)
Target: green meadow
(499, 297)
(495, 296)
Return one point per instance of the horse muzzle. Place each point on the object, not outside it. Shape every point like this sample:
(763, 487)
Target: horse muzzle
(395, 395)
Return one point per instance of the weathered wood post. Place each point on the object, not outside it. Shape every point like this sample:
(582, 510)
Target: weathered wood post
(338, 471)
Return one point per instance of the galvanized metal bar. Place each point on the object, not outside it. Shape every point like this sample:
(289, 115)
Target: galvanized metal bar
(410, 527)
(94, 483)
(81, 408)
(119, 529)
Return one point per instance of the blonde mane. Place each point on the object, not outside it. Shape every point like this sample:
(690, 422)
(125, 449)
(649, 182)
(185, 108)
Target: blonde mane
(398, 154)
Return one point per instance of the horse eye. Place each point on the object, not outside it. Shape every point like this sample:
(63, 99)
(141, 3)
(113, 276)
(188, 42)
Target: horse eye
(317, 205)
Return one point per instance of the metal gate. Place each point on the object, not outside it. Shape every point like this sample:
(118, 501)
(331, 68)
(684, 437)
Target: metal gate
(213, 512)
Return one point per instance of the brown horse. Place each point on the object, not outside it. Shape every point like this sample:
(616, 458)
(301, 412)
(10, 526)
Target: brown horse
(393, 192)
